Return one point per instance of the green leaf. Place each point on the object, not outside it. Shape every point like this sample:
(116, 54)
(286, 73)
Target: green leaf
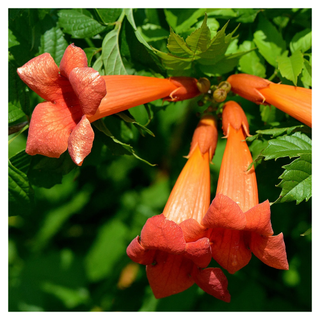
(20, 192)
(306, 77)
(15, 114)
(199, 39)
(116, 146)
(176, 65)
(107, 250)
(109, 15)
(12, 40)
(90, 53)
(18, 95)
(182, 19)
(223, 66)
(21, 161)
(274, 132)
(111, 56)
(301, 41)
(291, 67)
(217, 47)
(287, 146)
(78, 24)
(46, 172)
(53, 42)
(152, 32)
(296, 181)
(126, 117)
(251, 63)
(269, 41)
(177, 45)
(247, 15)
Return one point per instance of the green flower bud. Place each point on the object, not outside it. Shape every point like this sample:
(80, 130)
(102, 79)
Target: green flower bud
(225, 85)
(219, 95)
(203, 85)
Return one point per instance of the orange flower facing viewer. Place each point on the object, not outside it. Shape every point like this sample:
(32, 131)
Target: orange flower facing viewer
(173, 245)
(238, 224)
(77, 95)
(295, 101)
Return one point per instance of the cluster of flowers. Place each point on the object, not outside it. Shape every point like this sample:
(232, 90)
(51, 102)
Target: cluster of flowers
(176, 246)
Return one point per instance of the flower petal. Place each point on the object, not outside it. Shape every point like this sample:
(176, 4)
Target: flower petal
(192, 230)
(199, 252)
(225, 213)
(170, 274)
(80, 141)
(139, 254)
(229, 249)
(41, 74)
(50, 127)
(73, 57)
(89, 87)
(258, 219)
(212, 281)
(270, 250)
(162, 234)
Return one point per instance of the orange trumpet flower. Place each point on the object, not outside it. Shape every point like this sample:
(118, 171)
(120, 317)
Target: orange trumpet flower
(77, 95)
(173, 244)
(238, 224)
(295, 101)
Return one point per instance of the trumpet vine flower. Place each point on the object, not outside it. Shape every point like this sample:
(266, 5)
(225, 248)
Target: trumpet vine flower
(238, 224)
(295, 101)
(173, 245)
(76, 95)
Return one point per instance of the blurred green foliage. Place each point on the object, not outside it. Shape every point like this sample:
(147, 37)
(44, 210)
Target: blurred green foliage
(69, 226)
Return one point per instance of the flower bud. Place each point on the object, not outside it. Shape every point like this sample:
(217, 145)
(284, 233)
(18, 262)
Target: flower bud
(225, 85)
(219, 95)
(203, 85)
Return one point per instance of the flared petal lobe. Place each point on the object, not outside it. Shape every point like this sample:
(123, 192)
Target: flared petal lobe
(50, 127)
(80, 141)
(169, 275)
(73, 57)
(270, 250)
(212, 281)
(41, 74)
(89, 88)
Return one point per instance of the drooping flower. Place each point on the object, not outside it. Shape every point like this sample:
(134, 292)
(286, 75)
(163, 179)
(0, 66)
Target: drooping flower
(295, 101)
(77, 95)
(238, 224)
(173, 245)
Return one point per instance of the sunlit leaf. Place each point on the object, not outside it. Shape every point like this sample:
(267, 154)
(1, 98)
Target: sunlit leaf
(110, 55)
(301, 41)
(78, 24)
(53, 42)
(291, 67)
(296, 181)
(287, 146)
(269, 41)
